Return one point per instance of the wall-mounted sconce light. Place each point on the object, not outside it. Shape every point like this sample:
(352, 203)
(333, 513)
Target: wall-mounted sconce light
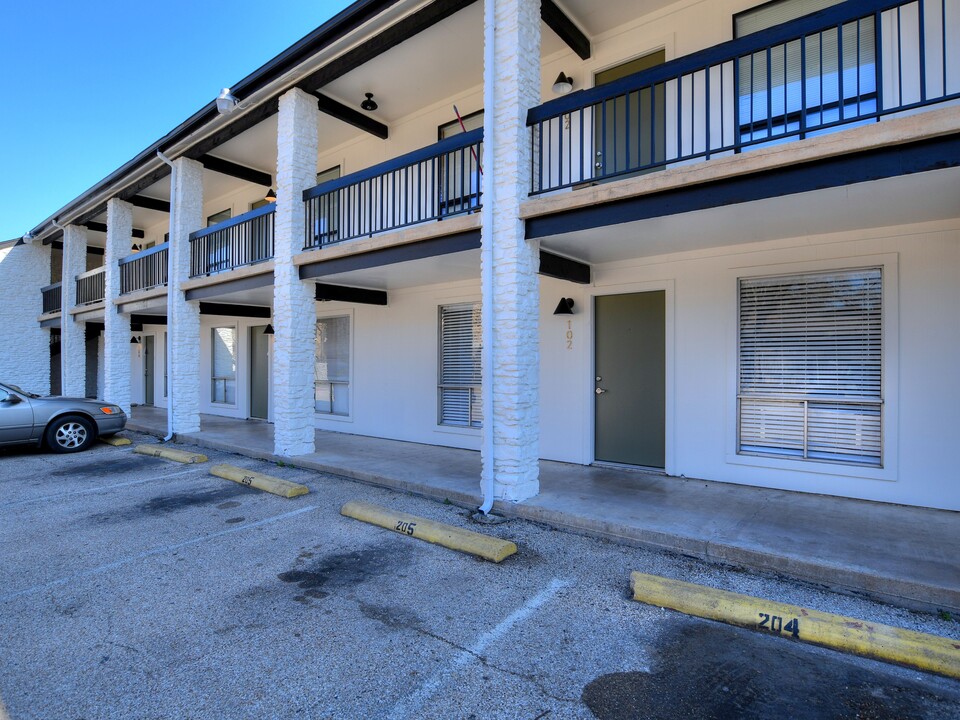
(136, 248)
(226, 102)
(268, 330)
(563, 84)
(565, 307)
(271, 195)
(369, 104)
(134, 340)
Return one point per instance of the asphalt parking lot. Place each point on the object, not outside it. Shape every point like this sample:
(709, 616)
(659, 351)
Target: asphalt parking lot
(134, 587)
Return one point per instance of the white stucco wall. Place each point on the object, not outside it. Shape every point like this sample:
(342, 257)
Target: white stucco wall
(25, 356)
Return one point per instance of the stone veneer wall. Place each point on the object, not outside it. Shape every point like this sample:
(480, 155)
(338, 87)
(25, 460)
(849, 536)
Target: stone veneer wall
(25, 357)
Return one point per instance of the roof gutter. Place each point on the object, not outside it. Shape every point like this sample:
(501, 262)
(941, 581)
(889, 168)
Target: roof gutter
(334, 29)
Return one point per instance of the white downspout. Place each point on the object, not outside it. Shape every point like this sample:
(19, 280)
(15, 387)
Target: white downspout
(170, 298)
(487, 315)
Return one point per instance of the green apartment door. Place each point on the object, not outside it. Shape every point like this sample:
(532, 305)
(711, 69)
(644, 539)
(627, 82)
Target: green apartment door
(630, 362)
(259, 372)
(148, 369)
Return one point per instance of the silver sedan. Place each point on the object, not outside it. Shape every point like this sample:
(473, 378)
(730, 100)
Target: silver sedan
(62, 424)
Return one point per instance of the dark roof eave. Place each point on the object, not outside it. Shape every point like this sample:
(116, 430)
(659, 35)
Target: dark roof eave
(344, 22)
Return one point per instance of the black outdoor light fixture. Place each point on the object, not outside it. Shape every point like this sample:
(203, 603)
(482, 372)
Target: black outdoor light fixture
(268, 330)
(369, 104)
(136, 248)
(134, 340)
(271, 196)
(563, 84)
(565, 307)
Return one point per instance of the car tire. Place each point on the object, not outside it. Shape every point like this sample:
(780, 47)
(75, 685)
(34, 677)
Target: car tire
(70, 433)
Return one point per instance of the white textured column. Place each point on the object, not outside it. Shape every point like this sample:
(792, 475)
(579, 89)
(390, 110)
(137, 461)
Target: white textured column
(116, 325)
(516, 295)
(294, 312)
(183, 317)
(24, 356)
(73, 348)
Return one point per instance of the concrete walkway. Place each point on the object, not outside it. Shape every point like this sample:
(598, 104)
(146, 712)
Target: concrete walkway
(903, 555)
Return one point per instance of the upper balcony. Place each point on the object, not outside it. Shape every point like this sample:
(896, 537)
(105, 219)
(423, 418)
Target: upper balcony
(90, 286)
(243, 240)
(144, 270)
(851, 64)
(435, 182)
(52, 298)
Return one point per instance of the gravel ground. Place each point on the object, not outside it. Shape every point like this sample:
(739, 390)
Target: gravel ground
(132, 587)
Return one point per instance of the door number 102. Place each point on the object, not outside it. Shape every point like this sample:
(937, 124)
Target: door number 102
(775, 624)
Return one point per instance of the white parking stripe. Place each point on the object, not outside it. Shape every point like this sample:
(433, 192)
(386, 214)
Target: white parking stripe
(411, 706)
(150, 553)
(101, 488)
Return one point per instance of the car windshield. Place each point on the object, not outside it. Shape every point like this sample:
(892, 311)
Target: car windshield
(23, 392)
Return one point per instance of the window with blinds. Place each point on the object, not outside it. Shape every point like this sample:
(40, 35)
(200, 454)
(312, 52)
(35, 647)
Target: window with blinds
(459, 381)
(820, 79)
(332, 366)
(810, 366)
(223, 365)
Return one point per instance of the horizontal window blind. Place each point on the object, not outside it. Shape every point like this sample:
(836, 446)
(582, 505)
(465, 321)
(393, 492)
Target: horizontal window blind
(810, 351)
(332, 366)
(460, 349)
(776, 13)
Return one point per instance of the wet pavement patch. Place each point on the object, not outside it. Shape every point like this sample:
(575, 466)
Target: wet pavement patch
(346, 569)
(714, 672)
(234, 520)
(167, 504)
(396, 618)
(103, 466)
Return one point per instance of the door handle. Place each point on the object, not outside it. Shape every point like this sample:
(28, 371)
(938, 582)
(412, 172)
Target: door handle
(600, 391)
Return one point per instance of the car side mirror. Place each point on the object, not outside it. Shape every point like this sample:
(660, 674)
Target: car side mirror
(11, 400)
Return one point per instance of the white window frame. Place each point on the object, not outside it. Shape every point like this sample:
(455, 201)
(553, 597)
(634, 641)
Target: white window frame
(348, 417)
(236, 372)
(475, 389)
(889, 362)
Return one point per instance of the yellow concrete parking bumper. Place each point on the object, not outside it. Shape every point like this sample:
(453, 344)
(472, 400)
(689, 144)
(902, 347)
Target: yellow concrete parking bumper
(181, 456)
(116, 441)
(882, 642)
(268, 483)
(489, 548)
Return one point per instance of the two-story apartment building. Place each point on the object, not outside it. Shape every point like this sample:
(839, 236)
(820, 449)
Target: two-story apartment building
(717, 238)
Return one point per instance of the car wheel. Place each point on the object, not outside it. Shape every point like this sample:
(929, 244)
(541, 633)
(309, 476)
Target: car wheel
(70, 433)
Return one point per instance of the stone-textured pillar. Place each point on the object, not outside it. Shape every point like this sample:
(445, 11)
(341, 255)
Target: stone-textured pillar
(116, 332)
(73, 343)
(183, 317)
(516, 295)
(24, 357)
(294, 312)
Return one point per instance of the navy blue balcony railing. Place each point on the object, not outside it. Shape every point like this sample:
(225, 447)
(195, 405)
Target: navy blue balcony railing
(51, 298)
(432, 183)
(144, 270)
(852, 63)
(243, 240)
(91, 286)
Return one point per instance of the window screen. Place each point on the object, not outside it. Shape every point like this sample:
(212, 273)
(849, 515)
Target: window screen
(460, 348)
(810, 366)
(332, 363)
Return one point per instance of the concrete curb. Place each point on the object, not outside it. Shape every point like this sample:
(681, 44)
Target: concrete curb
(181, 456)
(484, 546)
(930, 653)
(850, 580)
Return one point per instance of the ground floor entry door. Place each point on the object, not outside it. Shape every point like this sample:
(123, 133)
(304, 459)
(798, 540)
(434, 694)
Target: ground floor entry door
(630, 362)
(259, 371)
(149, 345)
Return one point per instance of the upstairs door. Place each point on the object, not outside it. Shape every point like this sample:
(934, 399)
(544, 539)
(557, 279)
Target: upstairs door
(630, 362)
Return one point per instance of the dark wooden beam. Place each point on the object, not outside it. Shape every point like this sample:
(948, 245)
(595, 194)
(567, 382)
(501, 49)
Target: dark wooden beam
(389, 38)
(148, 319)
(434, 247)
(248, 311)
(241, 172)
(351, 294)
(149, 203)
(230, 286)
(243, 123)
(364, 122)
(563, 26)
(101, 227)
(562, 268)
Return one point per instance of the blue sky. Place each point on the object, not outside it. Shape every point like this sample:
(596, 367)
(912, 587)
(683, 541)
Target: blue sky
(87, 85)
